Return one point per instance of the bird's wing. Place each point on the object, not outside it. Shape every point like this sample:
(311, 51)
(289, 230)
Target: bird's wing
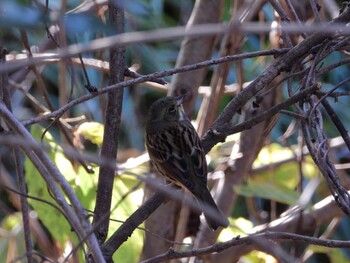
(179, 155)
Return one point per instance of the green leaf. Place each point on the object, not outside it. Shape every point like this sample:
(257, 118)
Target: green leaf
(53, 220)
(84, 184)
(85, 187)
(238, 227)
(285, 175)
(130, 251)
(334, 254)
(92, 131)
(280, 168)
(268, 191)
(121, 210)
(123, 205)
(11, 238)
(256, 256)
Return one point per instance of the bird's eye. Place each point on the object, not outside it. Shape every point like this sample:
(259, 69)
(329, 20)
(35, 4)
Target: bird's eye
(172, 109)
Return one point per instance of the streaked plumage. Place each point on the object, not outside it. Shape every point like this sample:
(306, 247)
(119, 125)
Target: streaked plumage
(176, 152)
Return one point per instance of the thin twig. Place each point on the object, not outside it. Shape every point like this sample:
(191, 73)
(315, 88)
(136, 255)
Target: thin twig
(336, 120)
(178, 32)
(282, 64)
(151, 77)
(52, 175)
(24, 204)
(238, 241)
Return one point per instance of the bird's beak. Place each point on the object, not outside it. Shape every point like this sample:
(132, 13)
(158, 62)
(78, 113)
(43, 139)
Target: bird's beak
(181, 112)
(179, 100)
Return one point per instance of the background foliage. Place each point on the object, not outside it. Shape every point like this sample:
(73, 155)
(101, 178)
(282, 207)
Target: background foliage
(281, 176)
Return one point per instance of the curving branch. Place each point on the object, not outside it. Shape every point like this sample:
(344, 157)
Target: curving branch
(55, 182)
(150, 77)
(218, 132)
(250, 240)
(223, 127)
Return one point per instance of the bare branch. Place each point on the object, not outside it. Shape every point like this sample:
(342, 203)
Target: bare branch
(249, 240)
(282, 64)
(178, 32)
(111, 127)
(50, 174)
(149, 77)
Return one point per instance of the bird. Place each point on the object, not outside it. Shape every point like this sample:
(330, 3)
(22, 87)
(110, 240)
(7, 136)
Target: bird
(176, 152)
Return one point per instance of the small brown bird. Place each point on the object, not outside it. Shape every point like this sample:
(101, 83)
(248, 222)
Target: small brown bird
(176, 152)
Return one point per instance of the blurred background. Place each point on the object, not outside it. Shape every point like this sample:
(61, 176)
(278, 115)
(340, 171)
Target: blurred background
(257, 176)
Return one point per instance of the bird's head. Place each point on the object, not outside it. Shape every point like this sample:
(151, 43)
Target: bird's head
(167, 109)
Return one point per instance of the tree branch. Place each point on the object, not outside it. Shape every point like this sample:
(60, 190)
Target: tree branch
(217, 133)
(111, 127)
(51, 175)
(150, 77)
(238, 242)
(128, 227)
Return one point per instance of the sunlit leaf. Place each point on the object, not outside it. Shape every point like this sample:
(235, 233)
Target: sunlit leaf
(92, 131)
(335, 255)
(54, 221)
(268, 191)
(85, 187)
(11, 237)
(238, 227)
(123, 205)
(121, 210)
(257, 257)
(280, 168)
(285, 174)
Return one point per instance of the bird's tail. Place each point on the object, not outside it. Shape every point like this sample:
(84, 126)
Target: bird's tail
(212, 213)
